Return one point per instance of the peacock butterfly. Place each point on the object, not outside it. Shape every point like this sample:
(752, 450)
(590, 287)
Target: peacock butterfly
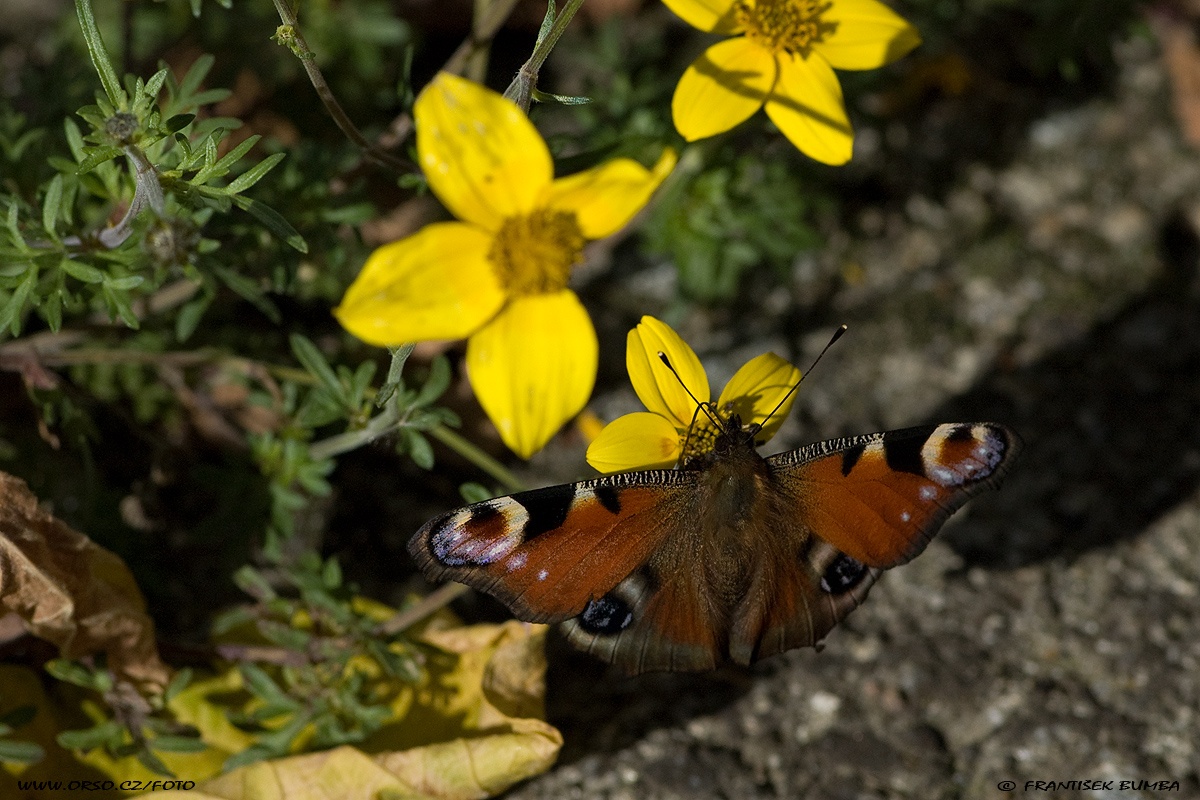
(733, 557)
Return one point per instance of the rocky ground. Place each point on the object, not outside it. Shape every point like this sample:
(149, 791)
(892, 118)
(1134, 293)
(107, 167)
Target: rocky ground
(1052, 632)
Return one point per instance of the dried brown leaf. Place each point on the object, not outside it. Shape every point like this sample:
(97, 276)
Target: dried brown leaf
(72, 592)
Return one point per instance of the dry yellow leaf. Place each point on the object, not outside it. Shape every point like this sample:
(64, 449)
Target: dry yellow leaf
(473, 730)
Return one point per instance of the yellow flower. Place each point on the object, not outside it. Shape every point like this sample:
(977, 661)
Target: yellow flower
(674, 430)
(784, 59)
(500, 275)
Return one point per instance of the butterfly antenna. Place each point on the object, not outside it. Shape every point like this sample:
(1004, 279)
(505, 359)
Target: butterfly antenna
(699, 405)
(836, 335)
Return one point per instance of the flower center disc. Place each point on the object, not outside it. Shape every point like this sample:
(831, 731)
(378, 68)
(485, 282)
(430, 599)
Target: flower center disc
(534, 253)
(792, 26)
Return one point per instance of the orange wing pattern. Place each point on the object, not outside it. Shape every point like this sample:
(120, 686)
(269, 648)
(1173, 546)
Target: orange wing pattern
(880, 498)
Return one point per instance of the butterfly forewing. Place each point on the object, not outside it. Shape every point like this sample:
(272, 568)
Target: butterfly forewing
(880, 498)
(547, 553)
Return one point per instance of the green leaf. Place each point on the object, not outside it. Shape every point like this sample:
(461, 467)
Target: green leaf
(18, 752)
(314, 361)
(475, 492)
(331, 574)
(419, 449)
(179, 682)
(196, 75)
(178, 122)
(154, 85)
(154, 763)
(14, 230)
(82, 272)
(436, 383)
(71, 672)
(233, 618)
(126, 283)
(74, 139)
(562, 99)
(10, 314)
(51, 310)
(252, 582)
(274, 222)
(222, 167)
(249, 291)
(254, 174)
(360, 382)
(96, 157)
(100, 60)
(189, 317)
(260, 684)
(250, 755)
(118, 303)
(179, 744)
(105, 734)
(52, 203)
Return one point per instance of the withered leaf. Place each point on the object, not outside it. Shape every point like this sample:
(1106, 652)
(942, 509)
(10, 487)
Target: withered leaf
(72, 592)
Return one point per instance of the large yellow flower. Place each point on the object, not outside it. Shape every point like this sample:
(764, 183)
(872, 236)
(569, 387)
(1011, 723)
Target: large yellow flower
(784, 58)
(674, 430)
(500, 275)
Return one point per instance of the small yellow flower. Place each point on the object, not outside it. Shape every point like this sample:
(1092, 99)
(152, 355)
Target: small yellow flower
(674, 430)
(500, 275)
(784, 59)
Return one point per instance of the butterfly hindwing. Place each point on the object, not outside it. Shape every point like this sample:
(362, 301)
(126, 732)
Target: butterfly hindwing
(880, 498)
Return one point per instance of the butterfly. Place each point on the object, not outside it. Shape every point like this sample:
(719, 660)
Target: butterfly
(733, 557)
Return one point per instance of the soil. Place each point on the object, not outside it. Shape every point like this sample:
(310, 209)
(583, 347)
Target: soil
(1052, 631)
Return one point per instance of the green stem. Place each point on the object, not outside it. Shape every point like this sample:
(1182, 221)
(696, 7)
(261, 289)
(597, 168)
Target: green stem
(289, 35)
(522, 86)
(377, 426)
(476, 456)
(435, 600)
(381, 424)
(481, 35)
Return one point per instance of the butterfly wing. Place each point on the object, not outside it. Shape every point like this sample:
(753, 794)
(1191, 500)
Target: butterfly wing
(857, 507)
(880, 498)
(591, 552)
(661, 570)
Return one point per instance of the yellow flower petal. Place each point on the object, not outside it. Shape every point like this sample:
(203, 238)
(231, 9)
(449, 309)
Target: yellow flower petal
(868, 35)
(757, 388)
(711, 16)
(807, 106)
(722, 88)
(659, 390)
(533, 367)
(482, 157)
(607, 196)
(635, 441)
(435, 284)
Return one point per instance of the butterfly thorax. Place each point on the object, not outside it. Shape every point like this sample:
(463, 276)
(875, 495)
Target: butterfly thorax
(706, 447)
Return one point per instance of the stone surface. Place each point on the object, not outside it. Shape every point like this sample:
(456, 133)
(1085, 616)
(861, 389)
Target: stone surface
(1052, 632)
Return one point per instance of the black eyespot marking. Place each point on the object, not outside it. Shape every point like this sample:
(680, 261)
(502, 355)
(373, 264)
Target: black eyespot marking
(961, 433)
(851, 456)
(902, 449)
(547, 508)
(483, 514)
(842, 575)
(607, 616)
(609, 498)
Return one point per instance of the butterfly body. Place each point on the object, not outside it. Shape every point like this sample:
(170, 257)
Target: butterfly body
(734, 557)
